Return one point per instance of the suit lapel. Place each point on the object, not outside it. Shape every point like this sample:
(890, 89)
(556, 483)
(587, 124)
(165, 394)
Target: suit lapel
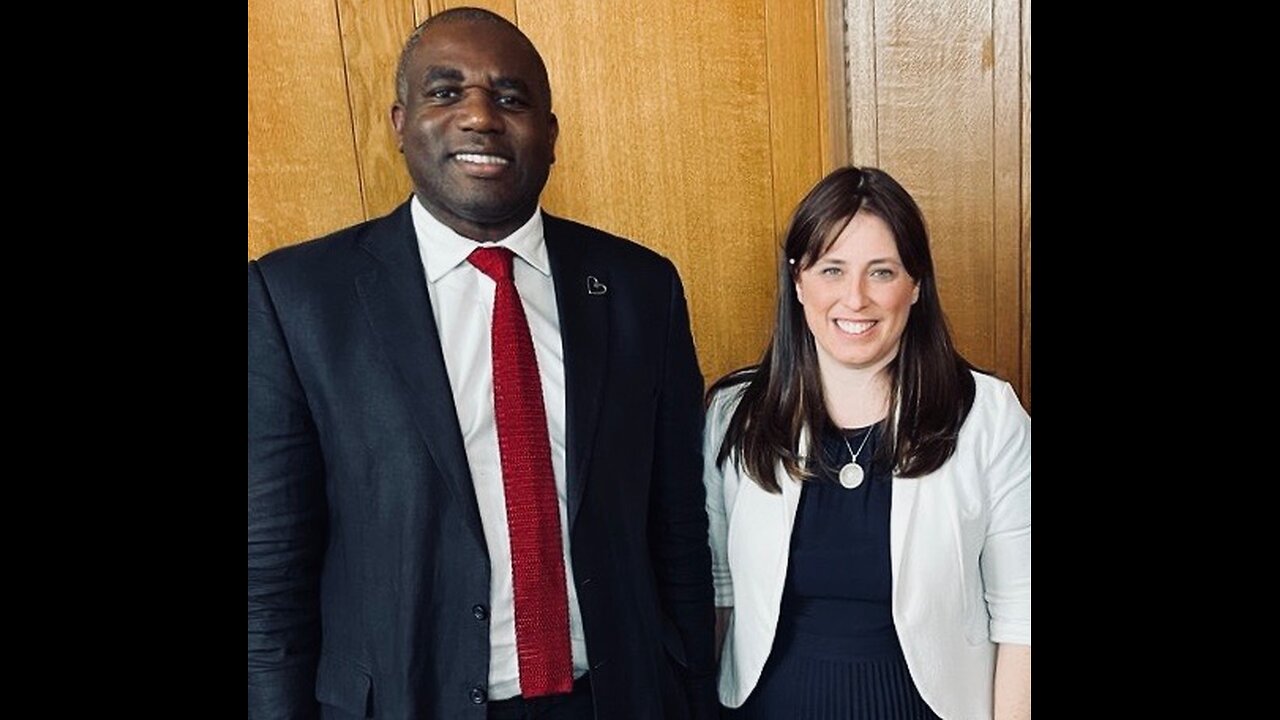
(394, 293)
(582, 301)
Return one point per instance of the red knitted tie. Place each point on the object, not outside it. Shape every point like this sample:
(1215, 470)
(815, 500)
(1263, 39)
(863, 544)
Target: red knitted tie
(533, 513)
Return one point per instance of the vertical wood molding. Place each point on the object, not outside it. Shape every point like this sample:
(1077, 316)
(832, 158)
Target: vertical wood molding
(1025, 78)
(833, 99)
(861, 39)
(1007, 191)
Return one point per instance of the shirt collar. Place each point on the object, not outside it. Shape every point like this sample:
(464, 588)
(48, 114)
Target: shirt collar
(443, 249)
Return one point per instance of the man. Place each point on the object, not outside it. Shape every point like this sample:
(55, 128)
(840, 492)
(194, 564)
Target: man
(475, 477)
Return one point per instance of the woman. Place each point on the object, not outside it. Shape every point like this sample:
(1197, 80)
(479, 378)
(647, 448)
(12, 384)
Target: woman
(869, 491)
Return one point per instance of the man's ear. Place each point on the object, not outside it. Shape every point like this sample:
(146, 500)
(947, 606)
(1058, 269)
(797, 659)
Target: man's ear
(397, 124)
(553, 132)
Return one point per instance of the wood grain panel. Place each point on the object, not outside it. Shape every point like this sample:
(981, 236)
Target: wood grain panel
(372, 35)
(935, 122)
(794, 122)
(691, 128)
(1007, 191)
(1025, 79)
(303, 179)
(665, 139)
(505, 8)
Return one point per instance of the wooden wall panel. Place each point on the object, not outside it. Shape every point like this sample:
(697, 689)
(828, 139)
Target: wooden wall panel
(303, 179)
(665, 139)
(692, 128)
(793, 107)
(939, 95)
(933, 86)
(372, 36)
(505, 8)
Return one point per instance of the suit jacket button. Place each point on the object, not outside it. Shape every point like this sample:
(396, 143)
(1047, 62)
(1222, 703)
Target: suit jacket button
(478, 695)
(480, 612)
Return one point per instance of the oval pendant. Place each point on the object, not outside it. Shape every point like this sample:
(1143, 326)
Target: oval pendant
(851, 475)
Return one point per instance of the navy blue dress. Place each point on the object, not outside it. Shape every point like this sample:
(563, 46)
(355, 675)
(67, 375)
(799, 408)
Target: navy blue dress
(836, 655)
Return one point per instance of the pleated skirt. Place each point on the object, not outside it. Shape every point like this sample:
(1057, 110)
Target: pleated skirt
(811, 677)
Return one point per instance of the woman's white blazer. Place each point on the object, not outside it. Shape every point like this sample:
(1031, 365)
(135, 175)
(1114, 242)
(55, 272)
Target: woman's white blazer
(959, 544)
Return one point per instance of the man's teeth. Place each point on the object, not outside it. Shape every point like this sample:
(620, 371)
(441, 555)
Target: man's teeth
(854, 328)
(481, 159)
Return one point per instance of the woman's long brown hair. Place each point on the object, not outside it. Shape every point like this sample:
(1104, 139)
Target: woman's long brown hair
(932, 387)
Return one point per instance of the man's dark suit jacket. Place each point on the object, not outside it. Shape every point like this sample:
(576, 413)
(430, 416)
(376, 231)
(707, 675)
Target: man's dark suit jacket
(368, 569)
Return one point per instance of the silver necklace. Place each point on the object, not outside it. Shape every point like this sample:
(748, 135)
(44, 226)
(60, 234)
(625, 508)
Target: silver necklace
(851, 474)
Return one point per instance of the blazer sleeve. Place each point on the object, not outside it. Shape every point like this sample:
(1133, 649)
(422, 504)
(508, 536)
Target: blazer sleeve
(1006, 554)
(286, 512)
(678, 518)
(713, 479)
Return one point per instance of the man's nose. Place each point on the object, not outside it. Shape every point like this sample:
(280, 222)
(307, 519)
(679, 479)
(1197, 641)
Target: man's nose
(479, 113)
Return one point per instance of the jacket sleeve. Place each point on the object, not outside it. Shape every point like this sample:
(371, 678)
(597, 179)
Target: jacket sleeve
(713, 480)
(286, 515)
(1006, 554)
(678, 517)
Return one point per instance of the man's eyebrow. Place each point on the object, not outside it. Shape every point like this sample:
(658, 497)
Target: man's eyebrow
(436, 73)
(510, 83)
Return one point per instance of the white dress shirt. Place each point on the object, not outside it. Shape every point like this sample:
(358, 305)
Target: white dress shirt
(462, 302)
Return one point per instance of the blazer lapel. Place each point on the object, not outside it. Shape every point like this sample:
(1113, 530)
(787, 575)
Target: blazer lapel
(900, 516)
(901, 512)
(582, 301)
(791, 489)
(394, 293)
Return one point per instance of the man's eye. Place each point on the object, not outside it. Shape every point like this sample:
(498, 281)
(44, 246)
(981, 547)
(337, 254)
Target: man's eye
(511, 101)
(442, 93)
